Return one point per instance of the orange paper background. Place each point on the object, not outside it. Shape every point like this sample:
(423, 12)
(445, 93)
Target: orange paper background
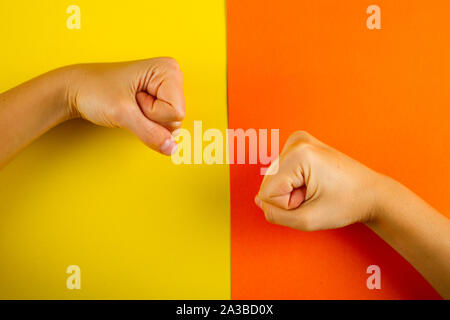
(380, 96)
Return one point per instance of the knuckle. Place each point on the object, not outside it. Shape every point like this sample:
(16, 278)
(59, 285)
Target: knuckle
(180, 113)
(171, 63)
(264, 193)
(175, 75)
(304, 149)
(180, 75)
(300, 135)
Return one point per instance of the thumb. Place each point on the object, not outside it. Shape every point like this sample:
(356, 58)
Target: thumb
(284, 189)
(150, 133)
(159, 111)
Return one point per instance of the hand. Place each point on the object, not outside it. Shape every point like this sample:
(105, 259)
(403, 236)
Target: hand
(145, 97)
(317, 187)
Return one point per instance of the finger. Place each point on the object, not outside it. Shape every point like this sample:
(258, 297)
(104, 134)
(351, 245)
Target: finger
(297, 197)
(276, 189)
(166, 85)
(152, 134)
(276, 215)
(158, 110)
(301, 219)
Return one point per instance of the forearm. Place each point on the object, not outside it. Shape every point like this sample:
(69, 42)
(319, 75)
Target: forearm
(415, 230)
(29, 110)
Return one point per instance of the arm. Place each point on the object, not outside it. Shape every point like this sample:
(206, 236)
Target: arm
(415, 230)
(29, 110)
(314, 187)
(144, 97)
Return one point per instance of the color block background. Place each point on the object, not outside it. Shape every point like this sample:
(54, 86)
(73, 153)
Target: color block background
(380, 96)
(142, 228)
(137, 225)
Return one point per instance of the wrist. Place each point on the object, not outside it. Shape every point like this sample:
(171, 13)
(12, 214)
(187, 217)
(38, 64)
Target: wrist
(386, 192)
(48, 93)
(68, 77)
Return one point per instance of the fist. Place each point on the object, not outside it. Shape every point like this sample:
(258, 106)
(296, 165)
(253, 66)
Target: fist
(145, 97)
(317, 187)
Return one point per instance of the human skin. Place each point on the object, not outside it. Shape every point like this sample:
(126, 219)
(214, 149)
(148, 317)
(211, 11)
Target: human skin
(145, 97)
(316, 188)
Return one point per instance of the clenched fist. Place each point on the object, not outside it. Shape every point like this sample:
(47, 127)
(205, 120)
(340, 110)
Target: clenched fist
(317, 187)
(145, 97)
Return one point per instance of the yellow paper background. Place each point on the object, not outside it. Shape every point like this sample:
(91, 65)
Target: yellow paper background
(138, 226)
